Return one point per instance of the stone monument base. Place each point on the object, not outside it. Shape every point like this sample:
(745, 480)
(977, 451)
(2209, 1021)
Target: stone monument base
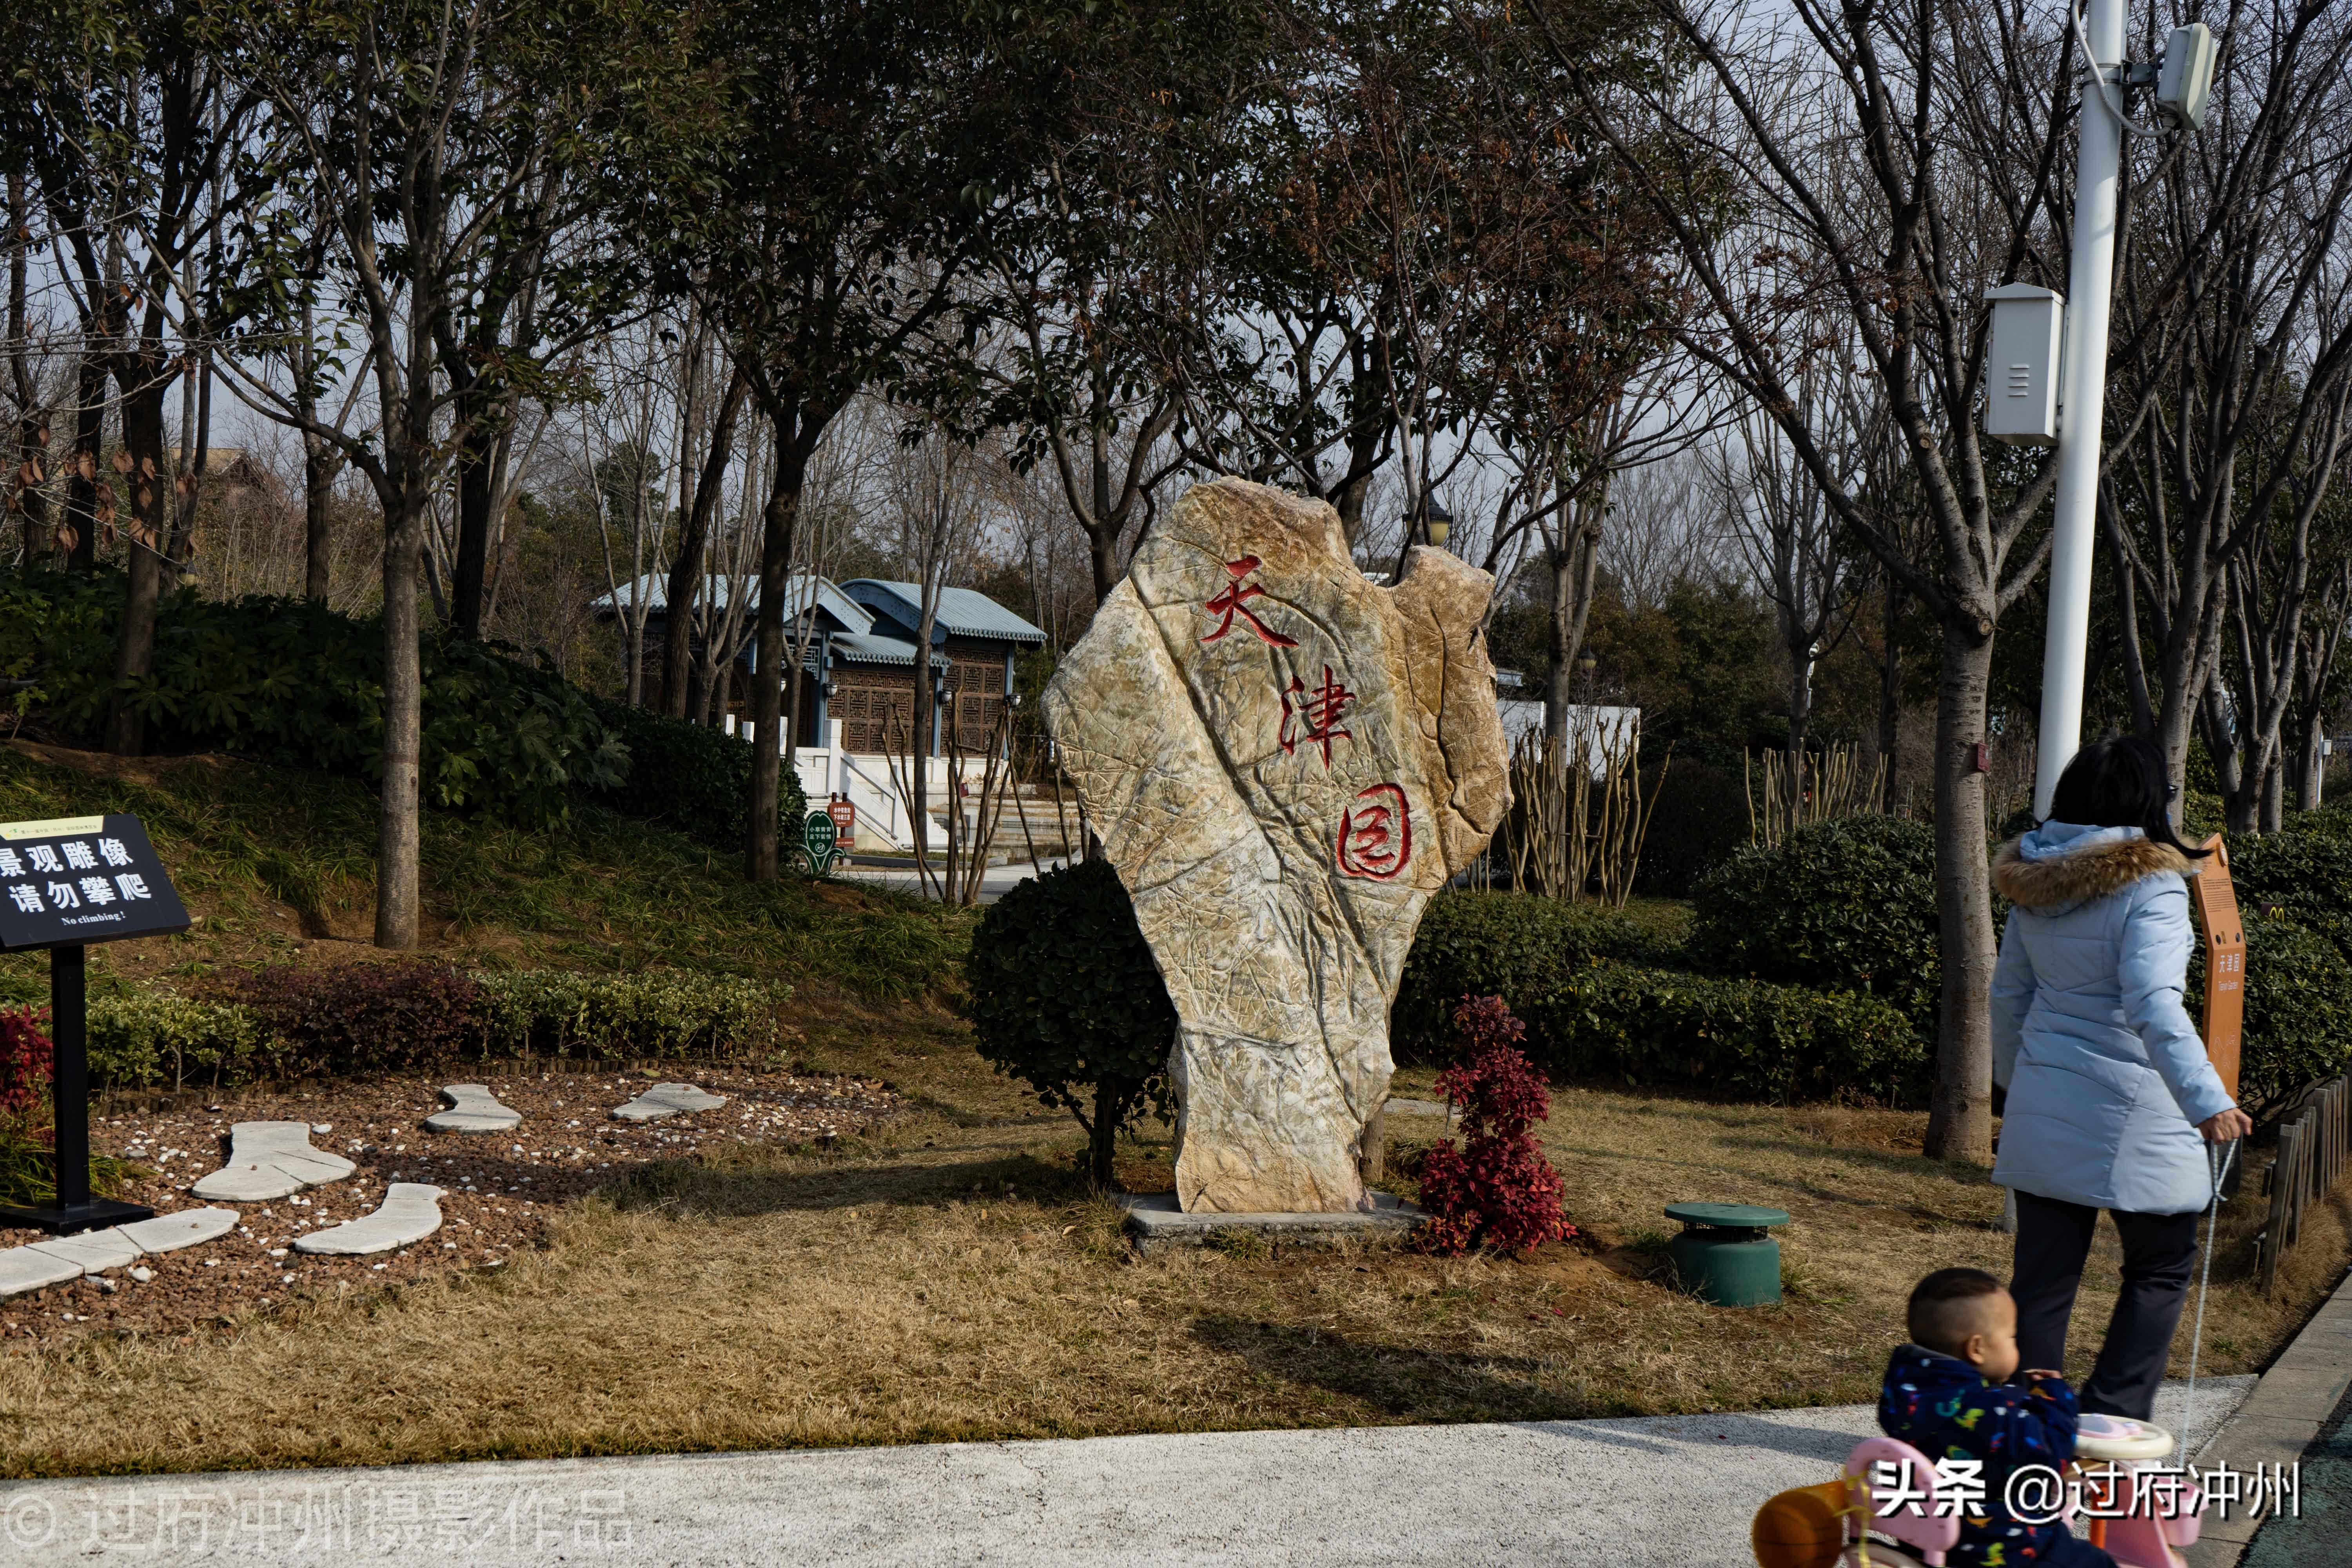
(1155, 1221)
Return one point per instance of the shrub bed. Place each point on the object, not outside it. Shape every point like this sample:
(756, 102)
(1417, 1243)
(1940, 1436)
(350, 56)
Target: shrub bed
(148, 1039)
(1751, 1038)
(290, 1023)
(1846, 905)
(1501, 944)
(615, 1017)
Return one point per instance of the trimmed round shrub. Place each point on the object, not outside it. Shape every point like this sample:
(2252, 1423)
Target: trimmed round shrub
(1511, 946)
(1062, 995)
(1848, 905)
(1699, 821)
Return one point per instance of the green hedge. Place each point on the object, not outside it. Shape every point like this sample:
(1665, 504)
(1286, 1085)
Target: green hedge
(1748, 1038)
(1511, 945)
(2299, 1025)
(615, 1017)
(306, 1023)
(1846, 905)
(157, 1040)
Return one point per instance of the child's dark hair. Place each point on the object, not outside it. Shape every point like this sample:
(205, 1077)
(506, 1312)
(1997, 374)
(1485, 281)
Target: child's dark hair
(1948, 1306)
(2118, 784)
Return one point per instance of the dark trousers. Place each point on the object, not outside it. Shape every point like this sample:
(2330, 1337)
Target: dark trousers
(2159, 1250)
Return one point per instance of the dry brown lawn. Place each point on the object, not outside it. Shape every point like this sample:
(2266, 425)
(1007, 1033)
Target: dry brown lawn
(952, 1279)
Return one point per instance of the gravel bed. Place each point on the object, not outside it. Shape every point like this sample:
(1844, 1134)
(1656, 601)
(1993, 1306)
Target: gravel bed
(499, 1187)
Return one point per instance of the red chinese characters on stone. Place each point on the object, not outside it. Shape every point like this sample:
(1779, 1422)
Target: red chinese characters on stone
(1376, 834)
(1233, 599)
(1317, 712)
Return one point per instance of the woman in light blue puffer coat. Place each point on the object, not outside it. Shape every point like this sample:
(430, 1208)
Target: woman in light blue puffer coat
(2108, 1084)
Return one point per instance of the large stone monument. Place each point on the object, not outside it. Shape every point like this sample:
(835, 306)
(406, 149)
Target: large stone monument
(1284, 760)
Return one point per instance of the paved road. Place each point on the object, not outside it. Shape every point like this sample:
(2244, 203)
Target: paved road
(1674, 1491)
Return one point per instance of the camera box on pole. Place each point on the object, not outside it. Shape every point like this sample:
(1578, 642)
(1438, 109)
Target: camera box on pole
(65, 883)
(2021, 364)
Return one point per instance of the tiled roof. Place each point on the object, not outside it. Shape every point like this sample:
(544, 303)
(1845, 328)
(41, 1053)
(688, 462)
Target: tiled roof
(653, 590)
(964, 612)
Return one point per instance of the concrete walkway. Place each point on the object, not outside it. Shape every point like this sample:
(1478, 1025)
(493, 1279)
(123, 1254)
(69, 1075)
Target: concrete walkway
(1674, 1491)
(994, 882)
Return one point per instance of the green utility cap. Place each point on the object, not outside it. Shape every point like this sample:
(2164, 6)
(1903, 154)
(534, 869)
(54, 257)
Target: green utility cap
(1724, 1254)
(1728, 1217)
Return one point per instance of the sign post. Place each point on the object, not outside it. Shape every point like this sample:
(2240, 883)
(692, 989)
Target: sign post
(819, 841)
(2216, 903)
(843, 811)
(65, 883)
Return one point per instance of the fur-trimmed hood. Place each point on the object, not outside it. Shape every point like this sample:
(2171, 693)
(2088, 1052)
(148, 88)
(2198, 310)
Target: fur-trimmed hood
(2060, 863)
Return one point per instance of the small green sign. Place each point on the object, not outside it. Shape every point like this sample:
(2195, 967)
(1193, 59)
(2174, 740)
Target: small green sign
(817, 838)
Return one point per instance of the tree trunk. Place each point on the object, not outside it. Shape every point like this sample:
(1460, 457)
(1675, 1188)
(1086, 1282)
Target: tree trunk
(82, 486)
(1801, 712)
(2273, 805)
(926, 720)
(134, 647)
(32, 422)
(318, 465)
(477, 480)
(1959, 1117)
(1575, 569)
(779, 522)
(397, 830)
(686, 573)
(1102, 1134)
(2311, 766)
(2221, 745)
(1890, 696)
(318, 522)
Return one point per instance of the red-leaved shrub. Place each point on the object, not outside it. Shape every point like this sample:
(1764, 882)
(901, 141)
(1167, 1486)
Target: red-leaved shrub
(366, 1017)
(26, 1059)
(1497, 1189)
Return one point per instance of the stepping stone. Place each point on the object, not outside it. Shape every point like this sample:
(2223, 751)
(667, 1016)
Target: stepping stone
(269, 1160)
(93, 1251)
(171, 1232)
(411, 1212)
(472, 1109)
(666, 1099)
(23, 1268)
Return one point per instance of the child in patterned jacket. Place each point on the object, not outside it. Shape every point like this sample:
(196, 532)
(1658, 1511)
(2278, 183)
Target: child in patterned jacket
(1949, 1395)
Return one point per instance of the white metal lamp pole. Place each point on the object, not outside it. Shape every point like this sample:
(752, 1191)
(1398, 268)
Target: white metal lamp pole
(2083, 396)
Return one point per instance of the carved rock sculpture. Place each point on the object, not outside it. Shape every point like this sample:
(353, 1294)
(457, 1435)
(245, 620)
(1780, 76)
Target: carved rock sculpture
(1284, 760)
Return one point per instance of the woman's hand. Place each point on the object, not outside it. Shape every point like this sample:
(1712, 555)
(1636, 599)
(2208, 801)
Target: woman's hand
(2226, 1126)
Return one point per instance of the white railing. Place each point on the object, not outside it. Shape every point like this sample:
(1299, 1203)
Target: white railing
(866, 780)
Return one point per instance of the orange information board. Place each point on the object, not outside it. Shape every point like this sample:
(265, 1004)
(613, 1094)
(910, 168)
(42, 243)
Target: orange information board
(2216, 903)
